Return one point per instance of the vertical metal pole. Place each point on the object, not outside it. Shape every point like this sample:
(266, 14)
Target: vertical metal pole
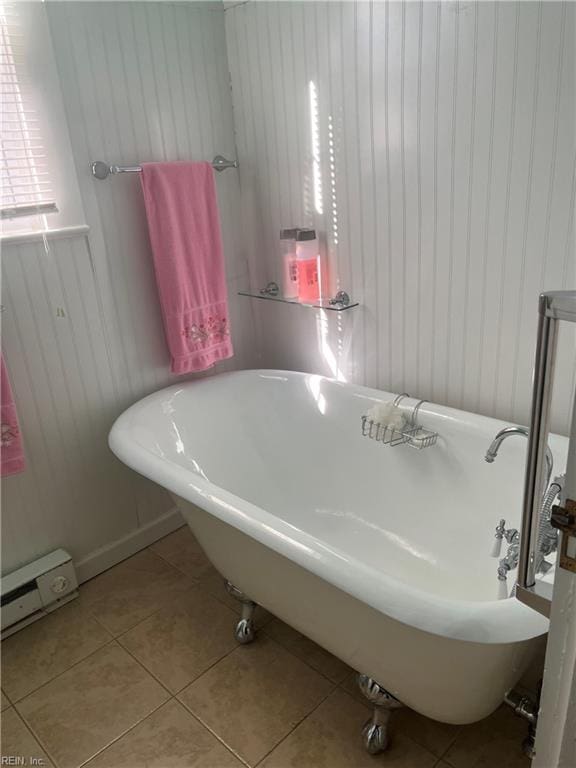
(539, 421)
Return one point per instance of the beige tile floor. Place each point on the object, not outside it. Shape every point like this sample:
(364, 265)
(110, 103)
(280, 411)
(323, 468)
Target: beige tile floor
(142, 671)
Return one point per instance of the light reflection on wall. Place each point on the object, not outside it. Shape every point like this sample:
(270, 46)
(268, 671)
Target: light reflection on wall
(323, 333)
(315, 137)
(332, 156)
(322, 320)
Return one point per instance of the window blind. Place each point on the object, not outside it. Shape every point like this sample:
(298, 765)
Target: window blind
(25, 183)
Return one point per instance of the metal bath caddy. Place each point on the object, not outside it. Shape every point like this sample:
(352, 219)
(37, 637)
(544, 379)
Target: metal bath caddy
(412, 434)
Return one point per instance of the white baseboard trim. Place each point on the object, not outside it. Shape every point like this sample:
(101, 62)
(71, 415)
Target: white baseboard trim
(128, 545)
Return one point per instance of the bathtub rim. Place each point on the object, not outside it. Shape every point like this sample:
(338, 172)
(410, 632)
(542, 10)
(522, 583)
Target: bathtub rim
(494, 621)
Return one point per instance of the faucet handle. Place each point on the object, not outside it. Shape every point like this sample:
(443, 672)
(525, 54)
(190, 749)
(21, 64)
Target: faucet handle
(498, 536)
(512, 535)
(502, 592)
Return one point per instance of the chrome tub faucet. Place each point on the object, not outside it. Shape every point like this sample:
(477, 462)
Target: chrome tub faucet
(492, 451)
(547, 534)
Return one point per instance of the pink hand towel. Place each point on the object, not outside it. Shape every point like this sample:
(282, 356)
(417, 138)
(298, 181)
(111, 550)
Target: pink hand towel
(12, 453)
(182, 212)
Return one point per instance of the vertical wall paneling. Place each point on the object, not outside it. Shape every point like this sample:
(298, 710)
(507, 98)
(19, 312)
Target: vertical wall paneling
(447, 140)
(82, 331)
(73, 492)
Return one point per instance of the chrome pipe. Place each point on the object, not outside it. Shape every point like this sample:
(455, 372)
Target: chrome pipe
(537, 440)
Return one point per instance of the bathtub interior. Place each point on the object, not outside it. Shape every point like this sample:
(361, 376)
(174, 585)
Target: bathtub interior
(292, 445)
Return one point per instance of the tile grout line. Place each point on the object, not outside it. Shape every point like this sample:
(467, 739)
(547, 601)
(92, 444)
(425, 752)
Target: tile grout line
(195, 579)
(261, 629)
(19, 701)
(174, 696)
(171, 697)
(97, 620)
(179, 691)
(111, 638)
(288, 650)
(271, 639)
(449, 747)
(239, 645)
(42, 685)
(140, 664)
(283, 739)
(228, 653)
(35, 736)
(452, 743)
(164, 607)
(89, 608)
(210, 730)
(112, 641)
(121, 736)
(180, 703)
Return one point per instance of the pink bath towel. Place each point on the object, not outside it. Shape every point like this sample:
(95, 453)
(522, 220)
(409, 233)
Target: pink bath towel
(183, 222)
(12, 454)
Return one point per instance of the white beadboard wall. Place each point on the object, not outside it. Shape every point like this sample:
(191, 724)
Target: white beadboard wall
(447, 143)
(82, 332)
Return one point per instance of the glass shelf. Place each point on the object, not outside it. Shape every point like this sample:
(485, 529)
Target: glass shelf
(340, 303)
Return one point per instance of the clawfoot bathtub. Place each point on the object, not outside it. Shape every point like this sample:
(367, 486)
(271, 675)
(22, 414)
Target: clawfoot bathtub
(380, 554)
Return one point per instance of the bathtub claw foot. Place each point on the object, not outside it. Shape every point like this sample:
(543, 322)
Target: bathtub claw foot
(245, 631)
(376, 732)
(374, 738)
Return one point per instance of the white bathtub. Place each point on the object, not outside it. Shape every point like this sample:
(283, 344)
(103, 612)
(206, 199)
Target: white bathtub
(380, 554)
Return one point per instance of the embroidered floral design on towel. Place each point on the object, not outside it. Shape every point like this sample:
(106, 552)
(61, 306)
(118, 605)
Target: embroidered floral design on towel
(214, 329)
(8, 433)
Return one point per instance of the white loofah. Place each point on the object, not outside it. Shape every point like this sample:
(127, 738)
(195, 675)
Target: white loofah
(380, 412)
(397, 419)
(388, 415)
(371, 413)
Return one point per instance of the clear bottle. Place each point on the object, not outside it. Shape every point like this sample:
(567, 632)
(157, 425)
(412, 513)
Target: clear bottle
(289, 268)
(308, 263)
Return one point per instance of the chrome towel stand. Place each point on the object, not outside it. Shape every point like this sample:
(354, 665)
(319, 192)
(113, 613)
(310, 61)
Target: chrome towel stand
(101, 170)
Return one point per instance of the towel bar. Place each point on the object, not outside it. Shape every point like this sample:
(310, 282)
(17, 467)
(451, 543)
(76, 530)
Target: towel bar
(101, 170)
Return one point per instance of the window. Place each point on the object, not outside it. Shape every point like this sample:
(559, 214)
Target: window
(25, 185)
(38, 185)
